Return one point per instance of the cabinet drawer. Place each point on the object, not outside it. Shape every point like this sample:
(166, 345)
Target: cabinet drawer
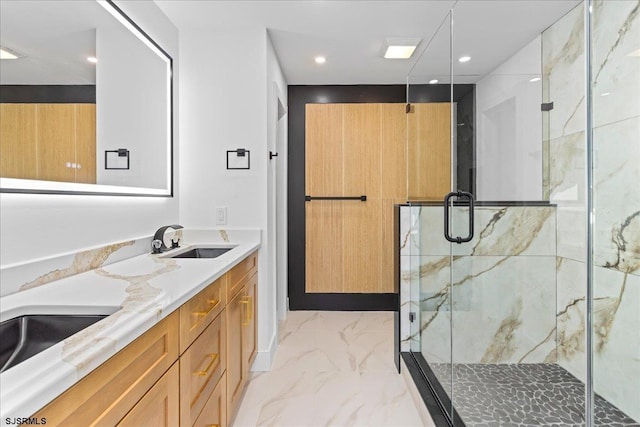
(201, 367)
(160, 406)
(199, 311)
(107, 394)
(237, 275)
(215, 410)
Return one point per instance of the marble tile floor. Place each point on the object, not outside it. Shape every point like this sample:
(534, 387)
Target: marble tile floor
(331, 369)
(524, 395)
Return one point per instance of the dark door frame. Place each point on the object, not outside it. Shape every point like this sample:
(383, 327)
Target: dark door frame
(298, 97)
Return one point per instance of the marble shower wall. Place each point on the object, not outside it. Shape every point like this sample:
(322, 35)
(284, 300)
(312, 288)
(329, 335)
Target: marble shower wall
(502, 280)
(616, 140)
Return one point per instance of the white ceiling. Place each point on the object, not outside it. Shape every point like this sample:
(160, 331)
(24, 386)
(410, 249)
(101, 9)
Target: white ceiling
(351, 33)
(53, 38)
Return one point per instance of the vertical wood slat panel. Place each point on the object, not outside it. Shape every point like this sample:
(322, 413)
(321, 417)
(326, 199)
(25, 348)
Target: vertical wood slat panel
(429, 151)
(394, 184)
(324, 177)
(362, 150)
(56, 142)
(18, 143)
(362, 233)
(324, 261)
(37, 140)
(324, 174)
(377, 150)
(394, 151)
(349, 244)
(361, 240)
(85, 136)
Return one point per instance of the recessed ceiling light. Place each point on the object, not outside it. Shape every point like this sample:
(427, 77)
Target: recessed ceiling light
(606, 94)
(535, 79)
(400, 48)
(92, 59)
(464, 59)
(434, 81)
(635, 53)
(320, 59)
(8, 54)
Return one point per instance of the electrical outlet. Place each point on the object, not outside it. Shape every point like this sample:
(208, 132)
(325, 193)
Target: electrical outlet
(221, 216)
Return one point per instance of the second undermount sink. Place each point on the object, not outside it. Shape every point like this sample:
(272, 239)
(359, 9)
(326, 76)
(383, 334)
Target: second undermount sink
(202, 252)
(25, 336)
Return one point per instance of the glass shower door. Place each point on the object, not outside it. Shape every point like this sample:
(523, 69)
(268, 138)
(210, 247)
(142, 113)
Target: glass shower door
(534, 319)
(506, 365)
(429, 154)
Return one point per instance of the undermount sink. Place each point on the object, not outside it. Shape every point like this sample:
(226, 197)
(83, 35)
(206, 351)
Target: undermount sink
(28, 335)
(201, 253)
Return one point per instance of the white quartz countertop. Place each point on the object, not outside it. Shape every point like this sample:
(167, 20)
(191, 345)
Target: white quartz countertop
(137, 293)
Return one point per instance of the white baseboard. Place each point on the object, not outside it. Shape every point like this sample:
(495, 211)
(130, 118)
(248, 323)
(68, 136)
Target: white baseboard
(264, 358)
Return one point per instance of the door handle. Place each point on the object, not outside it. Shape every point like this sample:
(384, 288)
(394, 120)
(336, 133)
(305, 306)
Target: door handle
(459, 195)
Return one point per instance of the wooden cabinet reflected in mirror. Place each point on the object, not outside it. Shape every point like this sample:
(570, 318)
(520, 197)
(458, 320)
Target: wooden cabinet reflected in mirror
(50, 142)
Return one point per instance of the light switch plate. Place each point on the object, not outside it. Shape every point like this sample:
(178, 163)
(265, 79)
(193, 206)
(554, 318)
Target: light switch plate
(221, 216)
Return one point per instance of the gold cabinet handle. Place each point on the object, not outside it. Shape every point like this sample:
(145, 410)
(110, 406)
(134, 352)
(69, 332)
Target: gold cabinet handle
(245, 302)
(204, 373)
(212, 425)
(213, 302)
(248, 303)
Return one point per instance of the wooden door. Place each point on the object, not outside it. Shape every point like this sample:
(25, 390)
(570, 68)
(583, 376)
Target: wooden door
(353, 150)
(429, 151)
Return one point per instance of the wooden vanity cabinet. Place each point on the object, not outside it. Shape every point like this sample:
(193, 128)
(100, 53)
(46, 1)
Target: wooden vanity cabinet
(197, 313)
(241, 339)
(235, 374)
(160, 406)
(188, 370)
(106, 395)
(249, 326)
(201, 368)
(214, 413)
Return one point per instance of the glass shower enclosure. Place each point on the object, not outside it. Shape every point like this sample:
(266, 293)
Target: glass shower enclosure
(524, 280)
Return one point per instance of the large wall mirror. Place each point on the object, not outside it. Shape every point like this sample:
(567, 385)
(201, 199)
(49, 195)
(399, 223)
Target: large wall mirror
(85, 101)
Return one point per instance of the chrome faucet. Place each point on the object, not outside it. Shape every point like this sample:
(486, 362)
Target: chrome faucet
(157, 244)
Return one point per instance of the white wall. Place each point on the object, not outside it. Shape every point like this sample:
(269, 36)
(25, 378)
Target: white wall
(131, 109)
(509, 129)
(34, 225)
(227, 100)
(277, 181)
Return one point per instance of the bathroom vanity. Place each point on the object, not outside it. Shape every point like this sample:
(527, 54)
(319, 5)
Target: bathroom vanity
(177, 351)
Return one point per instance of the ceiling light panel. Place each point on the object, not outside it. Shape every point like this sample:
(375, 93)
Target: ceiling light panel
(400, 48)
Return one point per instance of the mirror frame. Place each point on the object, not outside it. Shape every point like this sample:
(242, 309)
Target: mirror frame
(28, 186)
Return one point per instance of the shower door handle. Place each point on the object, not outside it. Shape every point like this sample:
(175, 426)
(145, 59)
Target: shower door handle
(460, 195)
